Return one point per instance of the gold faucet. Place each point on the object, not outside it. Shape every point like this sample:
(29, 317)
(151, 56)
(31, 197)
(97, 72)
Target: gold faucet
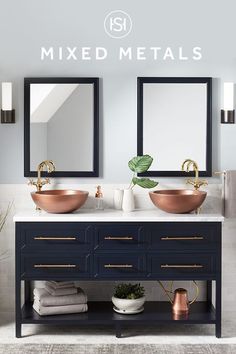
(196, 183)
(39, 183)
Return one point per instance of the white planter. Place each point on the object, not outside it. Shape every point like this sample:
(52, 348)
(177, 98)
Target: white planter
(128, 304)
(118, 198)
(128, 200)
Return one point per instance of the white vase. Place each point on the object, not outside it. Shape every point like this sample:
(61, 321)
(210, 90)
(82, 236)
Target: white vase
(118, 198)
(128, 200)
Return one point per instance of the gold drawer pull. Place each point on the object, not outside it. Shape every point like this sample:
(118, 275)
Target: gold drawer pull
(167, 238)
(118, 266)
(181, 266)
(54, 265)
(118, 238)
(54, 238)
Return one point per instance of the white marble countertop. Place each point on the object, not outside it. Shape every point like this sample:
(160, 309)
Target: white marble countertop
(111, 215)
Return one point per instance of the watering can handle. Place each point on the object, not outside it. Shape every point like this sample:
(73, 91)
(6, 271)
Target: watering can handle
(197, 293)
(167, 292)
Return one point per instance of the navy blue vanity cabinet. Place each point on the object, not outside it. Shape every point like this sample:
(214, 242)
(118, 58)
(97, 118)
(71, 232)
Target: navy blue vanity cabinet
(49, 266)
(171, 265)
(125, 251)
(120, 266)
(185, 235)
(121, 236)
(59, 236)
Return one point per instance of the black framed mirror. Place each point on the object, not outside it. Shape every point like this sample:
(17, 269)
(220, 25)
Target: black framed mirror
(61, 123)
(174, 123)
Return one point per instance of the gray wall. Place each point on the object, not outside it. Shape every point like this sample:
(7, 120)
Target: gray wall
(209, 24)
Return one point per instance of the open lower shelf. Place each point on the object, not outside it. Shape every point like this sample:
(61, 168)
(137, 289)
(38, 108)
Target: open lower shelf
(102, 313)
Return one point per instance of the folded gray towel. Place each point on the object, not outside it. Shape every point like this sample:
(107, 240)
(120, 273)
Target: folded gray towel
(230, 194)
(62, 291)
(60, 284)
(46, 299)
(59, 310)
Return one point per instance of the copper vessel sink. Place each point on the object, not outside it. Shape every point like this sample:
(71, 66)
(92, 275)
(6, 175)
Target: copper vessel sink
(59, 201)
(178, 201)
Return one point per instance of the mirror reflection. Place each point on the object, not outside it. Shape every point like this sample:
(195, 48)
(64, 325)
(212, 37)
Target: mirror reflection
(62, 125)
(174, 123)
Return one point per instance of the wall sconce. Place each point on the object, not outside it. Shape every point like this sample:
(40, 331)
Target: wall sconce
(228, 113)
(7, 113)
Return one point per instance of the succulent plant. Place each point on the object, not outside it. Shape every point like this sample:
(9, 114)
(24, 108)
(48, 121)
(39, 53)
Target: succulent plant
(129, 291)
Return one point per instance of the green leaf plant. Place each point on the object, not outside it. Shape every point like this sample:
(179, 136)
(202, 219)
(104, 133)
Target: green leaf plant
(140, 164)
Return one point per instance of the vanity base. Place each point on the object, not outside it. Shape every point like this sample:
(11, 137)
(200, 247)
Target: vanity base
(119, 251)
(101, 313)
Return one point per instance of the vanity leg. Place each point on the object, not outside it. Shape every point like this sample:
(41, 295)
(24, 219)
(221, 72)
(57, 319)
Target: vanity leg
(27, 291)
(118, 330)
(18, 329)
(209, 291)
(18, 308)
(18, 315)
(218, 307)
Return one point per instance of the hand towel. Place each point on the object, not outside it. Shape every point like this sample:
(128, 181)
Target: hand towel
(46, 299)
(59, 292)
(59, 310)
(229, 187)
(60, 284)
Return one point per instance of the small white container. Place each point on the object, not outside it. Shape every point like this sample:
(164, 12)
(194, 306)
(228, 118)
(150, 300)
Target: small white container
(118, 198)
(128, 200)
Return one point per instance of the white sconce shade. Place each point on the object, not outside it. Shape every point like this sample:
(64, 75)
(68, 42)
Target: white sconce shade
(7, 113)
(227, 112)
(6, 96)
(228, 103)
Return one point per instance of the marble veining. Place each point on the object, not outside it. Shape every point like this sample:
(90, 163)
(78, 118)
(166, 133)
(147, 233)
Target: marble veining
(89, 215)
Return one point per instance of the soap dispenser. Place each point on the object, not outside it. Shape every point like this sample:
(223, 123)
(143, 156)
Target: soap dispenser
(99, 204)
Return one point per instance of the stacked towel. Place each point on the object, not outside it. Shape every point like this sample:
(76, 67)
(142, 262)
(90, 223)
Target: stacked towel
(57, 289)
(59, 298)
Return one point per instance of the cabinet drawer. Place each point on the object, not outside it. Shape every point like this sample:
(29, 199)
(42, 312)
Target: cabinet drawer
(118, 236)
(172, 265)
(45, 236)
(178, 236)
(118, 266)
(53, 267)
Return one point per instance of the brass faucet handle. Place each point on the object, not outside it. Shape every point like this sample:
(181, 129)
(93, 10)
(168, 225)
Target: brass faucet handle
(202, 182)
(190, 181)
(197, 183)
(31, 182)
(46, 181)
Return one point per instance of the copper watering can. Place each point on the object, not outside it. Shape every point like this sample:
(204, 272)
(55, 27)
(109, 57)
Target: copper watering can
(180, 302)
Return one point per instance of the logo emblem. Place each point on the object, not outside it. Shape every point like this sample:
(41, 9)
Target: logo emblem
(118, 24)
